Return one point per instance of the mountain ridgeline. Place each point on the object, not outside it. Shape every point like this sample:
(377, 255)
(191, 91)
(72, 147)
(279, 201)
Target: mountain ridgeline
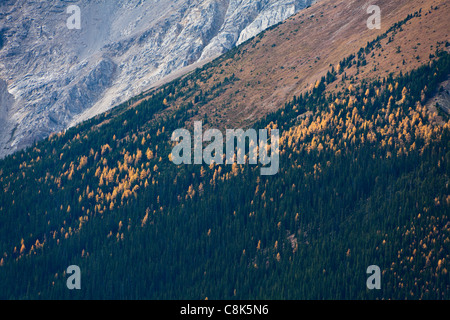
(122, 48)
(363, 180)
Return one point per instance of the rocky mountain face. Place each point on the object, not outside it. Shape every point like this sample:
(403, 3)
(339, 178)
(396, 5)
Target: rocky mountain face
(52, 77)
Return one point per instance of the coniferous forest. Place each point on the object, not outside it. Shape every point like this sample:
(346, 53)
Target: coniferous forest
(363, 180)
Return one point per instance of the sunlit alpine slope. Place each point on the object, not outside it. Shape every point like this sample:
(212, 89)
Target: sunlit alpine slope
(363, 179)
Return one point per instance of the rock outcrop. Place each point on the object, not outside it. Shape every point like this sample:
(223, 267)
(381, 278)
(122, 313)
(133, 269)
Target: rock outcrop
(58, 77)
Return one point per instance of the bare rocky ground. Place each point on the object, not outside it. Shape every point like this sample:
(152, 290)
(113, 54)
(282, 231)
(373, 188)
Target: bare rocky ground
(52, 77)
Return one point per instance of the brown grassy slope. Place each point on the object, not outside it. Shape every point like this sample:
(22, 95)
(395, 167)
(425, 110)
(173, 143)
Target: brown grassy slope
(289, 59)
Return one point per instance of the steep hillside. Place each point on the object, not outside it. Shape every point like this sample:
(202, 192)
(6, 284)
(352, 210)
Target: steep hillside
(288, 60)
(363, 179)
(60, 76)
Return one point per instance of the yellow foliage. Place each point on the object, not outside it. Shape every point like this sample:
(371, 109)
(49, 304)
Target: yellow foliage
(144, 221)
(149, 154)
(22, 248)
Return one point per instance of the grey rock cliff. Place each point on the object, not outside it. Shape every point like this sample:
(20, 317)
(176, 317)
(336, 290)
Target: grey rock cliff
(53, 77)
